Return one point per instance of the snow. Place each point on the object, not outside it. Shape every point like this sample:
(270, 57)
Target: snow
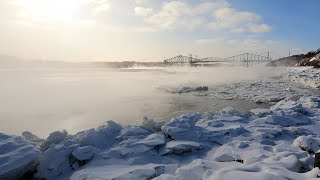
(307, 143)
(274, 143)
(17, 156)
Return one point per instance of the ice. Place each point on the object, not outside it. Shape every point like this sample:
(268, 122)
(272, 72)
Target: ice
(308, 77)
(17, 156)
(186, 89)
(55, 160)
(84, 153)
(102, 137)
(152, 125)
(259, 91)
(153, 140)
(33, 138)
(180, 147)
(54, 138)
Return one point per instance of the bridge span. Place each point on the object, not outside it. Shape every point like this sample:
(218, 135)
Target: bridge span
(245, 59)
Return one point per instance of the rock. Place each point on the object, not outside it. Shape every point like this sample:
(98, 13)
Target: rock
(17, 157)
(54, 138)
(317, 160)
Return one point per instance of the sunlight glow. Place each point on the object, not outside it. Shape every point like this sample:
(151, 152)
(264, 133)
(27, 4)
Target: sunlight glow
(51, 10)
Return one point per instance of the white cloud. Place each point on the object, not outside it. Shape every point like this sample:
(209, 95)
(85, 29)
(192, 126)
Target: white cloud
(237, 21)
(239, 46)
(180, 14)
(141, 11)
(260, 28)
(216, 15)
(102, 8)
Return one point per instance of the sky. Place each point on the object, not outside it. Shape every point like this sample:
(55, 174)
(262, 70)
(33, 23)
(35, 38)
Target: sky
(151, 30)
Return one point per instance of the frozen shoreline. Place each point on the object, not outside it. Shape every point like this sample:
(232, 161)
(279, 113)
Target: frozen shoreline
(278, 142)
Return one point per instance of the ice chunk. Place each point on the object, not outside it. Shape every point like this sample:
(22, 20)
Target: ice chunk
(84, 153)
(17, 156)
(55, 160)
(153, 140)
(33, 138)
(54, 138)
(101, 137)
(152, 125)
(180, 147)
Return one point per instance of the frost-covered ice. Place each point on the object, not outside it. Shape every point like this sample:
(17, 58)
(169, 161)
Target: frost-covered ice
(17, 156)
(259, 91)
(308, 77)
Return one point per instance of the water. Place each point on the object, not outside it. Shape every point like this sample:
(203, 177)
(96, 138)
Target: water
(43, 100)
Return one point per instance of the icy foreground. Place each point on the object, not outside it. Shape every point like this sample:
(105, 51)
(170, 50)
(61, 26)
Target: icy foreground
(275, 143)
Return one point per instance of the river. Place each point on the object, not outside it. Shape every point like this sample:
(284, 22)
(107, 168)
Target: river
(42, 100)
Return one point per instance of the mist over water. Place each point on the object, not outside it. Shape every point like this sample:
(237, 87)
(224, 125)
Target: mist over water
(43, 100)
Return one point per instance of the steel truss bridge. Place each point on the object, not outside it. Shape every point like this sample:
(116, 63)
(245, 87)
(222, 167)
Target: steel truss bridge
(245, 59)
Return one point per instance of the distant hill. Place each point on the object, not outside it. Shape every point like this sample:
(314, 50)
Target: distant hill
(311, 58)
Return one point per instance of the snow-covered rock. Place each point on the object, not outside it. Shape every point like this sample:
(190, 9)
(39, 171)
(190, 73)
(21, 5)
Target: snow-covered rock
(17, 156)
(307, 143)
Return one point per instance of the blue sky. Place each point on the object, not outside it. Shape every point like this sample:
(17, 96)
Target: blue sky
(292, 20)
(149, 30)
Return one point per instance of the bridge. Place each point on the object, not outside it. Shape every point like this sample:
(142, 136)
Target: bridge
(245, 59)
